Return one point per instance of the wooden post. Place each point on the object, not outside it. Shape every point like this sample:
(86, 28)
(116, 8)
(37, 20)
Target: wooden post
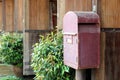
(99, 74)
(3, 15)
(33, 21)
(80, 75)
(26, 37)
(60, 12)
(15, 15)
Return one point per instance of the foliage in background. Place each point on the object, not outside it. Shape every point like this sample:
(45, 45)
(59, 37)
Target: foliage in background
(11, 48)
(10, 78)
(47, 59)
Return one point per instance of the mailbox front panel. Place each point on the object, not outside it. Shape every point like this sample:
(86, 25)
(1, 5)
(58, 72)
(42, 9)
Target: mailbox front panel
(89, 42)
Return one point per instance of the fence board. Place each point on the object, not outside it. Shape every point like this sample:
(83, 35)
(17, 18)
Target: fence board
(83, 5)
(109, 12)
(0, 16)
(9, 7)
(38, 14)
(20, 15)
(112, 56)
(78, 5)
(60, 13)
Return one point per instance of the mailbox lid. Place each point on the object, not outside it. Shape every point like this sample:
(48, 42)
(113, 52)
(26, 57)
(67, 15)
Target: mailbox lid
(72, 19)
(70, 23)
(87, 17)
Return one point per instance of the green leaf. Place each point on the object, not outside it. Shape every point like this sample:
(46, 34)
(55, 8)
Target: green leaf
(47, 58)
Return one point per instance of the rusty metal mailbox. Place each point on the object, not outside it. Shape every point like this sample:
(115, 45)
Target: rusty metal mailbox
(81, 40)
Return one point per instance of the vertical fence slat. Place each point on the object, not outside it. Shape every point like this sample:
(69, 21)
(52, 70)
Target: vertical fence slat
(1, 22)
(9, 11)
(109, 13)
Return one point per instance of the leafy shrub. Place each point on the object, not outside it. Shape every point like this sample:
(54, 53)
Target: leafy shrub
(11, 48)
(47, 59)
(10, 78)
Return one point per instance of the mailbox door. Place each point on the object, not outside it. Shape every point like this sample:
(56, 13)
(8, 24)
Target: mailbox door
(89, 50)
(70, 31)
(71, 50)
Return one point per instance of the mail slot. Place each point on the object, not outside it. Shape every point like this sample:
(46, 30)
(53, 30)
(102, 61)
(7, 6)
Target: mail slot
(81, 40)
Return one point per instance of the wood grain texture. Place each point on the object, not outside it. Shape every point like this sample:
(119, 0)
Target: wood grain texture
(30, 38)
(78, 5)
(71, 5)
(83, 5)
(60, 13)
(20, 15)
(0, 16)
(112, 56)
(109, 12)
(38, 14)
(9, 7)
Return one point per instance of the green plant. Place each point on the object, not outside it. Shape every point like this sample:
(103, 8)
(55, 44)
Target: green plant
(11, 48)
(10, 78)
(47, 59)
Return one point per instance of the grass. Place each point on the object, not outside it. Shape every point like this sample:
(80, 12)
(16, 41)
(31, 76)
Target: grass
(10, 78)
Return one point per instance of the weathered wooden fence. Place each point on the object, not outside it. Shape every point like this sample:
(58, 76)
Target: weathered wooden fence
(0, 15)
(32, 18)
(110, 33)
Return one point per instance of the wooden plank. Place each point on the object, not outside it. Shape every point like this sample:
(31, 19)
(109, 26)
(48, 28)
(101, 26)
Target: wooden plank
(99, 74)
(15, 15)
(0, 16)
(83, 5)
(26, 15)
(27, 51)
(112, 62)
(39, 18)
(60, 13)
(69, 5)
(80, 75)
(35, 17)
(20, 15)
(26, 59)
(3, 15)
(109, 12)
(64, 6)
(6, 70)
(9, 7)
(78, 5)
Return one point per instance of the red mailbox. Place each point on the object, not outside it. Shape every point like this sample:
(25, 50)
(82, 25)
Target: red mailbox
(81, 40)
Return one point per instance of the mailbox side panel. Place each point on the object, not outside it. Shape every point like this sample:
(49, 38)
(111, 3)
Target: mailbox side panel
(70, 31)
(89, 46)
(71, 51)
